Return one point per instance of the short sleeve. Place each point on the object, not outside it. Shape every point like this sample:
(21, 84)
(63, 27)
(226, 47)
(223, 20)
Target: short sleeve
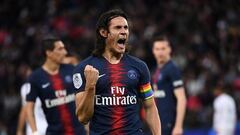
(32, 92)
(79, 78)
(146, 91)
(25, 88)
(176, 78)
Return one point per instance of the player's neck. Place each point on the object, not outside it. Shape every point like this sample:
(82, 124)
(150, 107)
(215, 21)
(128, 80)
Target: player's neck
(50, 67)
(160, 64)
(112, 58)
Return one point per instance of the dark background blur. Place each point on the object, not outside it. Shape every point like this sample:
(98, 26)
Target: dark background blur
(205, 35)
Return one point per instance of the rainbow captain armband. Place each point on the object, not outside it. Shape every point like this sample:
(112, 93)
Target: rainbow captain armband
(146, 91)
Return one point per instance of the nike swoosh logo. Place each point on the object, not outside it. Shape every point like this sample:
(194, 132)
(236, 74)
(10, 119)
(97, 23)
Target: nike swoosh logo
(45, 85)
(101, 75)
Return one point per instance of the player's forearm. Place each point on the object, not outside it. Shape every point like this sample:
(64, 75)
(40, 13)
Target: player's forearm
(181, 108)
(21, 121)
(30, 116)
(152, 118)
(153, 121)
(85, 105)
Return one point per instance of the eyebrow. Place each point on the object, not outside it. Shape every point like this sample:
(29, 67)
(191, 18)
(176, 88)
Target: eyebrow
(119, 26)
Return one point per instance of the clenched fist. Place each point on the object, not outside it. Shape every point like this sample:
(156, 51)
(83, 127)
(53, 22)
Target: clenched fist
(91, 75)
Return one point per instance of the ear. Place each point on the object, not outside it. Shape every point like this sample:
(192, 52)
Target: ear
(48, 53)
(170, 50)
(103, 32)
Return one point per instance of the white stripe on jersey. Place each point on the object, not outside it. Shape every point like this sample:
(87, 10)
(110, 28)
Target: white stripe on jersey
(177, 83)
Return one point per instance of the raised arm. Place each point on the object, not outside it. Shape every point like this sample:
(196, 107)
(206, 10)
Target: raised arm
(85, 99)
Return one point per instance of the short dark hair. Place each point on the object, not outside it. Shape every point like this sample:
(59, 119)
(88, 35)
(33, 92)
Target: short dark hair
(48, 44)
(103, 23)
(160, 38)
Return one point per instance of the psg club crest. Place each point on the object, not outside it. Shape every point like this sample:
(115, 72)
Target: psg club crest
(77, 80)
(132, 74)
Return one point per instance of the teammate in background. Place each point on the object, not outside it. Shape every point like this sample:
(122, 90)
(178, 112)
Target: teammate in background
(41, 122)
(110, 83)
(52, 83)
(168, 88)
(225, 116)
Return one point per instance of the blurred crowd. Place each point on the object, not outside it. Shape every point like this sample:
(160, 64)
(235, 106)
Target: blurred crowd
(205, 36)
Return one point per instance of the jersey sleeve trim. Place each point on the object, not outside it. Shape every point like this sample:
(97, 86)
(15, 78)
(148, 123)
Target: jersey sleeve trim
(178, 83)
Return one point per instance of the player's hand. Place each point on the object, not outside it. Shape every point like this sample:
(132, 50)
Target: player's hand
(91, 75)
(177, 131)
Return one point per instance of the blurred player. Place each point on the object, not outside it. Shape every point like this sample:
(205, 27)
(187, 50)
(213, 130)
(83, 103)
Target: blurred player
(111, 82)
(225, 113)
(52, 83)
(41, 122)
(168, 88)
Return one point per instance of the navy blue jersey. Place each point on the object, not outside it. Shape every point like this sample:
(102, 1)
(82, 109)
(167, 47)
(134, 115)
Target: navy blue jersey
(167, 79)
(57, 95)
(118, 90)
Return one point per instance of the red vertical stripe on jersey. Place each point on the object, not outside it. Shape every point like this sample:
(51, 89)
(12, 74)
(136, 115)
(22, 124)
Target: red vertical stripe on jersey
(65, 115)
(116, 73)
(156, 76)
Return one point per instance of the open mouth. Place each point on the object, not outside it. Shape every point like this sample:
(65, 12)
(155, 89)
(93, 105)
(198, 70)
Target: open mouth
(121, 41)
